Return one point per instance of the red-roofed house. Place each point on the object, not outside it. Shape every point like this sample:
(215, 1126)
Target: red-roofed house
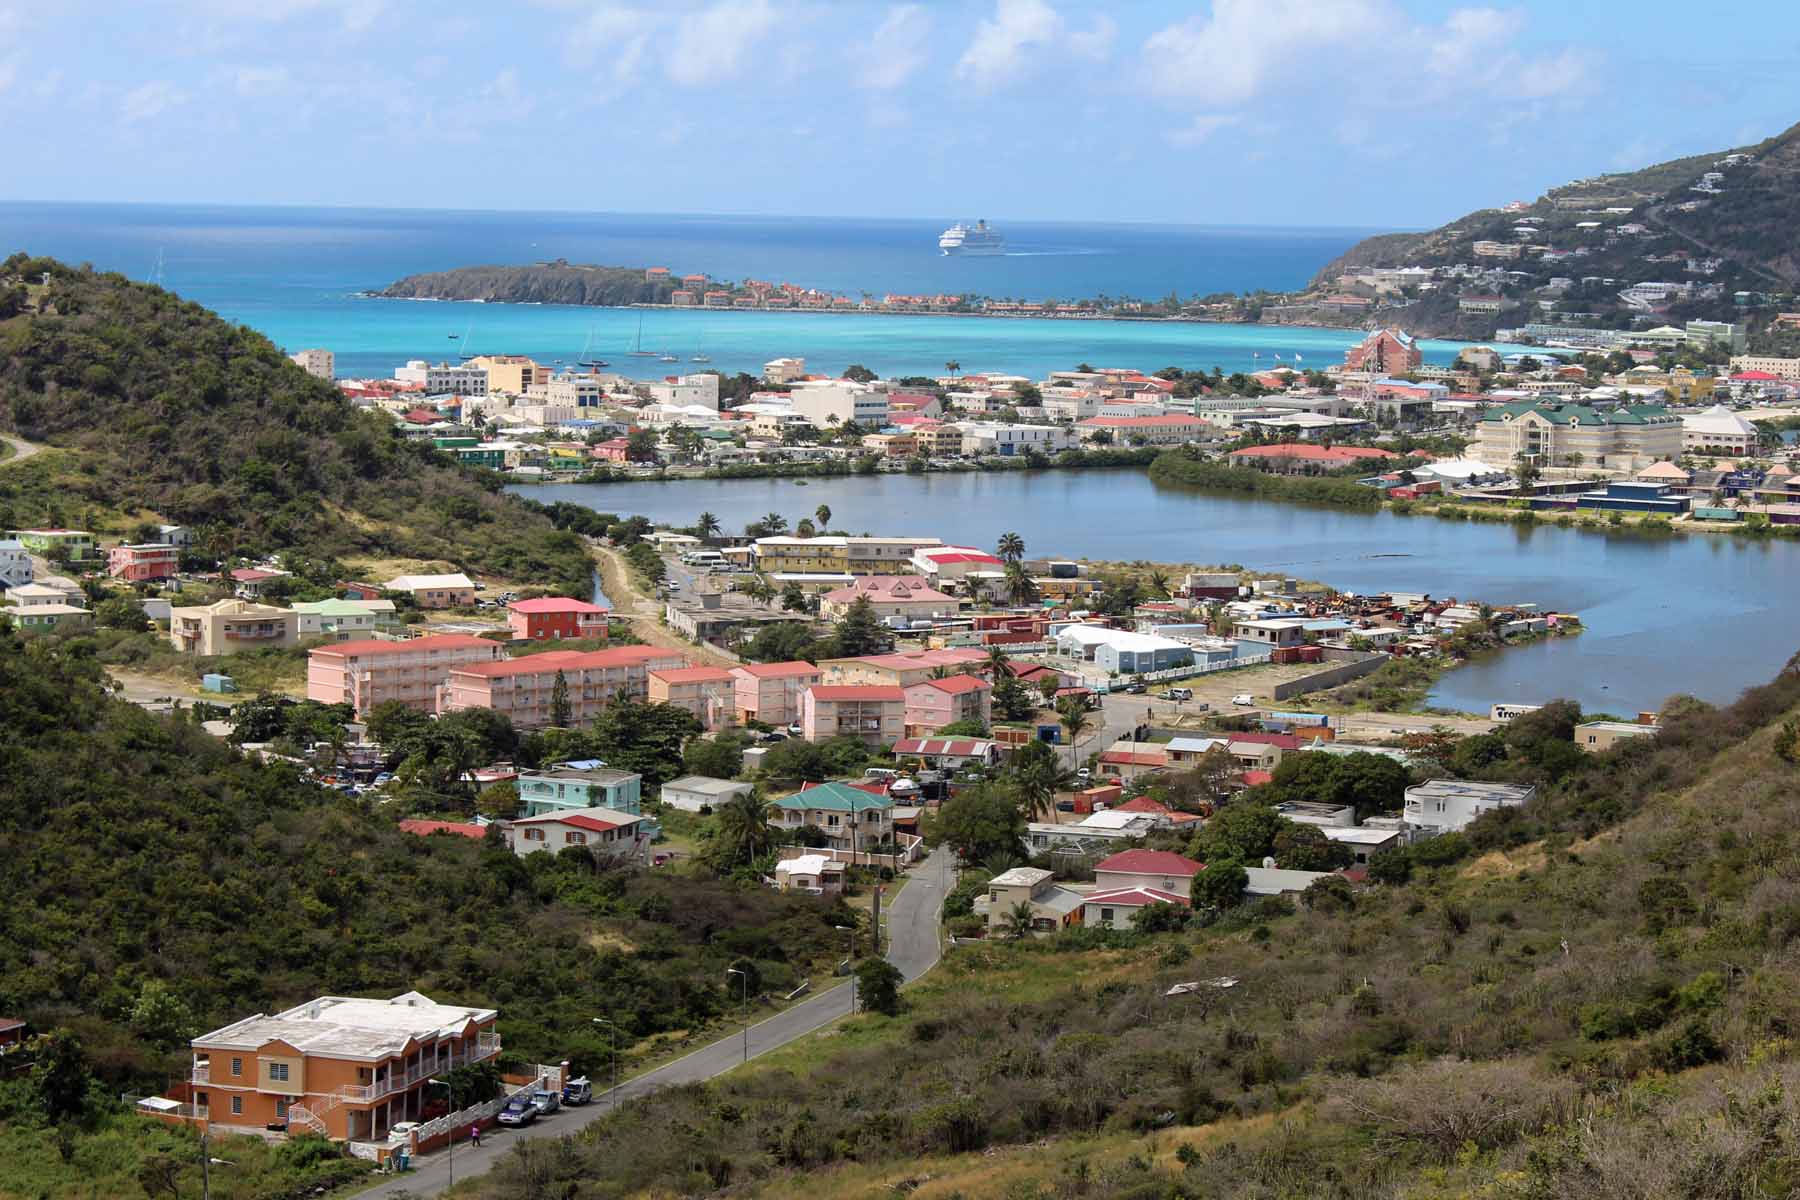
(706, 692)
(949, 564)
(12, 1032)
(1163, 813)
(248, 582)
(612, 450)
(1116, 907)
(1129, 764)
(904, 668)
(948, 753)
(523, 688)
(875, 713)
(601, 830)
(932, 704)
(424, 828)
(422, 416)
(549, 618)
(905, 596)
(770, 692)
(136, 564)
(1161, 869)
(363, 674)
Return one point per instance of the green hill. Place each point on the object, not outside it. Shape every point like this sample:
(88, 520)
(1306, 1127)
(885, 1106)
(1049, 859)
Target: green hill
(163, 409)
(556, 282)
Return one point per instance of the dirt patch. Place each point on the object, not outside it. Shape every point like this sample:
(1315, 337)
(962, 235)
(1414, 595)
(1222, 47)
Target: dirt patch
(610, 939)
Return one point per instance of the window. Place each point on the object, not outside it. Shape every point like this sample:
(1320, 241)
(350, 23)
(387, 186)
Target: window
(237, 1106)
(574, 838)
(534, 835)
(1106, 916)
(281, 1109)
(278, 1072)
(237, 1066)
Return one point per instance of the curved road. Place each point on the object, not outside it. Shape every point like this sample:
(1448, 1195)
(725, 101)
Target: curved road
(21, 448)
(913, 947)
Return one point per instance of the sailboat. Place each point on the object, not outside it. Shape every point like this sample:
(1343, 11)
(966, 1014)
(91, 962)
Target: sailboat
(637, 347)
(666, 357)
(700, 356)
(582, 359)
(466, 356)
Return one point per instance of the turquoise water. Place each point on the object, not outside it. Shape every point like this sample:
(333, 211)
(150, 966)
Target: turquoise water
(1707, 615)
(293, 274)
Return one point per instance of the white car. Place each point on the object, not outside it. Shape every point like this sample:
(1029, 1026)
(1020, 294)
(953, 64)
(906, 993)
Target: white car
(401, 1131)
(1244, 698)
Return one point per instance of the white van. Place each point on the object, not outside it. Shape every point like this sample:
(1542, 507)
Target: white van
(706, 560)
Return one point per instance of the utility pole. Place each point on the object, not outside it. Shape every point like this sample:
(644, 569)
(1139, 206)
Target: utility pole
(612, 1034)
(849, 960)
(744, 999)
(205, 1168)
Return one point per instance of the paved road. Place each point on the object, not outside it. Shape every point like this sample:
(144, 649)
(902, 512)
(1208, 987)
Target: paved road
(913, 934)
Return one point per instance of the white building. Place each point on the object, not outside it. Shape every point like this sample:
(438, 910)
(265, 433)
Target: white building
(571, 391)
(830, 402)
(694, 793)
(992, 437)
(686, 390)
(784, 370)
(15, 564)
(446, 379)
(1717, 430)
(1447, 805)
(604, 831)
(321, 364)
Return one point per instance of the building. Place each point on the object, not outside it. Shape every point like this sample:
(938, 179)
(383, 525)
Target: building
(709, 693)
(1119, 651)
(948, 754)
(700, 793)
(513, 373)
(16, 569)
(1117, 908)
(1448, 805)
(832, 402)
(38, 595)
(1557, 434)
(363, 674)
(904, 597)
(771, 692)
(815, 874)
(343, 1067)
(320, 364)
(446, 379)
(436, 591)
(1170, 429)
(1718, 430)
(143, 562)
(1010, 440)
(1729, 334)
(73, 545)
(524, 689)
(874, 713)
(934, 703)
(1597, 737)
(566, 788)
(1785, 369)
(343, 619)
(1051, 906)
(604, 831)
(784, 370)
(904, 668)
(549, 618)
(1160, 869)
(954, 564)
(231, 626)
(48, 616)
(850, 817)
(1385, 352)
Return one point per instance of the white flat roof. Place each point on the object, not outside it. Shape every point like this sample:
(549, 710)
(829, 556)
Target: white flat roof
(348, 1027)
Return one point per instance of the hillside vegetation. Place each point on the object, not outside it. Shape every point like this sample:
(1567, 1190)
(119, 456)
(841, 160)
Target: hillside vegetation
(1593, 996)
(556, 282)
(165, 409)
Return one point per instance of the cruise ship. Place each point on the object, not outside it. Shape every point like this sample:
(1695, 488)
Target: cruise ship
(978, 238)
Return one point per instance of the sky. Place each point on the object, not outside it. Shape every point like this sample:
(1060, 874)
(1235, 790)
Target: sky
(1370, 113)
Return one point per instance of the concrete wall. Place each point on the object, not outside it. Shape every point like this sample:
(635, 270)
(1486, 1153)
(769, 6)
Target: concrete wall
(1331, 676)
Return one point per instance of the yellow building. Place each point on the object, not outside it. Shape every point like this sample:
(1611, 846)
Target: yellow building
(805, 556)
(510, 372)
(229, 626)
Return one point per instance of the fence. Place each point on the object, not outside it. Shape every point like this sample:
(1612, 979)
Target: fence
(1172, 674)
(909, 850)
(1329, 677)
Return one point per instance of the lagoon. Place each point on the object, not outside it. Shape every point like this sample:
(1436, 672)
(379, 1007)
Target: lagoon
(1706, 615)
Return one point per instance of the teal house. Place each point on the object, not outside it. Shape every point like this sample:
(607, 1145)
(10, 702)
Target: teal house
(569, 787)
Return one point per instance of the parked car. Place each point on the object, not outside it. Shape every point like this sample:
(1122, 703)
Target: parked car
(401, 1131)
(794, 730)
(545, 1102)
(1084, 773)
(1135, 689)
(1244, 698)
(1181, 693)
(577, 1091)
(519, 1111)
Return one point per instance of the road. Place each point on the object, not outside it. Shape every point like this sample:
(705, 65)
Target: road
(913, 932)
(21, 448)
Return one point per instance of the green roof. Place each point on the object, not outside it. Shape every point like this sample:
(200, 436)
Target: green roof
(835, 797)
(1572, 414)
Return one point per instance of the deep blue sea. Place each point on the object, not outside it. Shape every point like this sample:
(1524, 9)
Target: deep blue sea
(294, 274)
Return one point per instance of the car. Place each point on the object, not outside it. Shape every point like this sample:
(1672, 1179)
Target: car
(1084, 773)
(1244, 698)
(402, 1131)
(545, 1102)
(794, 730)
(774, 736)
(518, 1111)
(385, 777)
(1135, 689)
(577, 1091)
(1181, 693)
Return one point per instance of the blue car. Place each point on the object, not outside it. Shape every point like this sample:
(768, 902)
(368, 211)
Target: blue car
(519, 1111)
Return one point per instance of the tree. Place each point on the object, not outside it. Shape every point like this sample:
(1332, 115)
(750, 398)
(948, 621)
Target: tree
(952, 367)
(121, 612)
(860, 632)
(560, 712)
(742, 829)
(1159, 584)
(1072, 711)
(707, 526)
(1011, 547)
(976, 589)
(1241, 831)
(640, 445)
(1306, 848)
(1013, 699)
(1037, 775)
(1016, 924)
(823, 515)
(1021, 588)
(1220, 885)
(793, 598)
(878, 986)
(160, 1015)
(61, 1074)
(1525, 472)
(760, 589)
(717, 757)
(644, 738)
(999, 665)
(857, 373)
(980, 822)
(775, 523)
(783, 641)
(805, 528)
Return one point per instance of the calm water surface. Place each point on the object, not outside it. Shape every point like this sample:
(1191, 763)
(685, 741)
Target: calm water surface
(1706, 615)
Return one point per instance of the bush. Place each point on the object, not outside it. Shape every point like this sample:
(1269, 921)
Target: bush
(1331, 894)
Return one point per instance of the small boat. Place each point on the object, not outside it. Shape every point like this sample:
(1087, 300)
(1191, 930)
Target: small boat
(667, 358)
(637, 347)
(701, 358)
(453, 336)
(595, 362)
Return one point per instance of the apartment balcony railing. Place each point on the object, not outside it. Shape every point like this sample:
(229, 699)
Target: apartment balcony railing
(202, 1073)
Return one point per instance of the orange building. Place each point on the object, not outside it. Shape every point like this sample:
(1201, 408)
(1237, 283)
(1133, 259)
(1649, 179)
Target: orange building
(365, 673)
(338, 1066)
(525, 688)
(707, 692)
(771, 692)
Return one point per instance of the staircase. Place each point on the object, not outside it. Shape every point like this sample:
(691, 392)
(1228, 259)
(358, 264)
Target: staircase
(314, 1118)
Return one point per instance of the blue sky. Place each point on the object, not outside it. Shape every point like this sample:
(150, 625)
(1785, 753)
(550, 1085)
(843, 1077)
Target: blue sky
(1313, 112)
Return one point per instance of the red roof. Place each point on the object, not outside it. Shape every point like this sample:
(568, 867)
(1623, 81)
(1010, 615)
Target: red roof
(255, 574)
(1149, 862)
(581, 821)
(1143, 804)
(692, 675)
(780, 670)
(1756, 376)
(557, 660)
(1140, 758)
(423, 416)
(1257, 778)
(956, 685)
(1138, 897)
(1306, 450)
(959, 556)
(554, 604)
(443, 641)
(460, 829)
(867, 691)
(1287, 741)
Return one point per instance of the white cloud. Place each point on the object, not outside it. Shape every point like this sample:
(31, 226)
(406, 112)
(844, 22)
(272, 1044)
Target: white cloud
(617, 32)
(1006, 44)
(1201, 128)
(1566, 74)
(1095, 43)
(1228, 57)
(503, 99)
(896, 49)
(150, 100)
(353, 16)
(711, 44)
(259, 81)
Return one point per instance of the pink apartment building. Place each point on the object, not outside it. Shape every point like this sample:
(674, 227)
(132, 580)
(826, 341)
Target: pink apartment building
(771, 691)
(143, 562)
(524, 688)
(935, 703)
(365, 673)
(707, 692)
(876, 713)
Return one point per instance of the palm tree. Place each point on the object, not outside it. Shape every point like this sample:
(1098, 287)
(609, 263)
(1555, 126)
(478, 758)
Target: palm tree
(977, 590)
(743, 824)
(1072, 711)
(1011, 547)
(805, 528)
(953, 367)
(774, 523)
(1021, 588)
(999, 666)
(1038, 775)
(1159, 584)
(1017, 922)
(823, 513)
(760, 589)
(707, 526)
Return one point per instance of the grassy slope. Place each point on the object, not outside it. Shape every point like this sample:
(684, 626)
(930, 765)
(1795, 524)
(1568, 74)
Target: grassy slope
(1655, 871)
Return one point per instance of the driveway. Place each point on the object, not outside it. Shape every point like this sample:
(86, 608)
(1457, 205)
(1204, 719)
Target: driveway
(914, 947)
(21, 448)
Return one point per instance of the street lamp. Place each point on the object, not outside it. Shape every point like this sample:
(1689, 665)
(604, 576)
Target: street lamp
(206, 1161)
(612, 1037)
(449, 1112)
(849, 960)
(744, 984)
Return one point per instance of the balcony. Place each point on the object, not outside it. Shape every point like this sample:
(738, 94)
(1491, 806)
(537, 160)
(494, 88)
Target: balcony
(202, 1073)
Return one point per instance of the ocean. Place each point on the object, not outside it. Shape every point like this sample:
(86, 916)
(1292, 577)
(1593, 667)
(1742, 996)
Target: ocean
(294, 274)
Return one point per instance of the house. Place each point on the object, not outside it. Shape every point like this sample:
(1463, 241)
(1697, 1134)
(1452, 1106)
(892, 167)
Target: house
(525, 688)
(15, 563)
(953, 564)
(248, 582)
(851, 818)
(345, 619)
(816, 874)
(566, 788)
(604, 831)
(932, 704)
(948, 754)
(875, 713)
(1597, 737)
(143, 562)
(699, 793)
(1448, 805)
(424, 828)
(1119, 651)
(344, 1067)
(1161, 815)
(12, 1033)
(1365, 841)
(706, 692)
(1052, 907)
(37, 595)
(72, 545)
(1114, 908)
(230, 626)
(1261, 751)
(903, 596)
(436, 591)
(770, 692)
(1127, 764)
(1273, 881)
(363, 674)
(903, 668)
(47, 618)
(555, 617)
(1717, 430)
(1160, 869)
(1188, 751)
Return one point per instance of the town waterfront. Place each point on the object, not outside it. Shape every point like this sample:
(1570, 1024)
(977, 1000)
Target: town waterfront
(1702, 615)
